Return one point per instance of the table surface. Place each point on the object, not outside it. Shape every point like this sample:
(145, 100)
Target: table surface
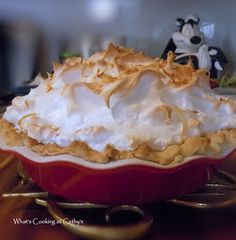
(170, 222)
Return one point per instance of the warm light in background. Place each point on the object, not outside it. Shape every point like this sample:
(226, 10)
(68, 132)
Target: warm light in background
(103, 10)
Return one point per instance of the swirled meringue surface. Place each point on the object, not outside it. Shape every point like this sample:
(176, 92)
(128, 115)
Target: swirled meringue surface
(121, 98)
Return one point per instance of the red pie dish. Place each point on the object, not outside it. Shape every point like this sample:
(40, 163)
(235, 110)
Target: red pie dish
(120, 182)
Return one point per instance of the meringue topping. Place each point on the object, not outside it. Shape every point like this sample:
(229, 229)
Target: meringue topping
(122, 99)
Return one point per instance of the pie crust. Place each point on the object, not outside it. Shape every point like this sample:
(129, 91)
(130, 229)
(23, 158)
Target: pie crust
(210, 144)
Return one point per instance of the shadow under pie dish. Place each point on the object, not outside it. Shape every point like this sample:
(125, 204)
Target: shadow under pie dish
(120, 127)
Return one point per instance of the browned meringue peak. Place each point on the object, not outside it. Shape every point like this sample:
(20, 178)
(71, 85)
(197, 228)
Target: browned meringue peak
(116, 69)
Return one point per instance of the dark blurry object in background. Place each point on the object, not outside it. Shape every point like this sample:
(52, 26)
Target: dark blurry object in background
(22, 51)
(21, 55)
(5, 82)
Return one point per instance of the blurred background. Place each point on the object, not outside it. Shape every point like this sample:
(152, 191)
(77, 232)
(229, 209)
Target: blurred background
(34, 33)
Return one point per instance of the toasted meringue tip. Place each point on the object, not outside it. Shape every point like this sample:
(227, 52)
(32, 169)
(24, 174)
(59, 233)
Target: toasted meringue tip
(56, 66)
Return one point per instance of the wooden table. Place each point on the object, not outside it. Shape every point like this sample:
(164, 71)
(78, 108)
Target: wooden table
(171, 222)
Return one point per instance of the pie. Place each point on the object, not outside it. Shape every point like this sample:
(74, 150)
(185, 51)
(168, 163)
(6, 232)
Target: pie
(121, 104)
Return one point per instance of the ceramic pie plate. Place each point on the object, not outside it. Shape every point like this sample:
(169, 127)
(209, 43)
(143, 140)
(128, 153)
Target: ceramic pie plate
(129, 181)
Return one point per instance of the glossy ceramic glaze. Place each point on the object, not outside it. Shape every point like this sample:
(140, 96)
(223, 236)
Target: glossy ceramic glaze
(134, 184)
(131, 181)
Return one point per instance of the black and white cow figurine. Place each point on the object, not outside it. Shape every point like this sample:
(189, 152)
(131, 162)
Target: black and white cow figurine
(189, 42)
